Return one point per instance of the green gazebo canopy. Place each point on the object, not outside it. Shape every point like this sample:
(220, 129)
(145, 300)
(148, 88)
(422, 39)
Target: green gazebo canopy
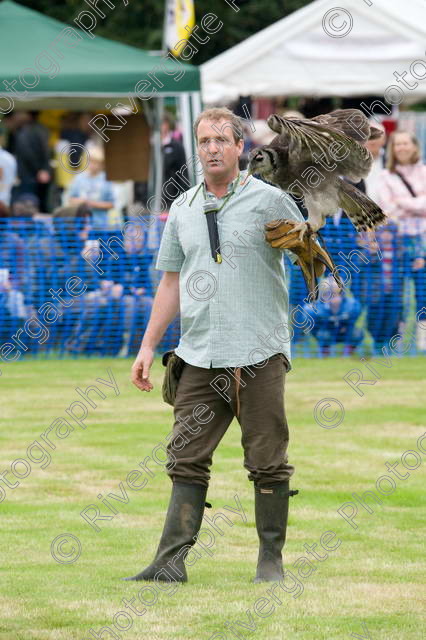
(48, 58)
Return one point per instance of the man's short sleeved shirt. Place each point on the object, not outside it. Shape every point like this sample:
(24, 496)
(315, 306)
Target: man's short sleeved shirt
(233, 313)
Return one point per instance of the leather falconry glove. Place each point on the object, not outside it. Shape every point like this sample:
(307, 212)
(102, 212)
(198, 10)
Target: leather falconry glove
(310, 255)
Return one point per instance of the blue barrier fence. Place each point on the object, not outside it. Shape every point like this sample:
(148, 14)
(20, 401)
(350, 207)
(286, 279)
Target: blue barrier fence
(55, 303)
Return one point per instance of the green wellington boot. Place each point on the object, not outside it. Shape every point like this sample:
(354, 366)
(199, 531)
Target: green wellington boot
(183, 522)
(271, 512)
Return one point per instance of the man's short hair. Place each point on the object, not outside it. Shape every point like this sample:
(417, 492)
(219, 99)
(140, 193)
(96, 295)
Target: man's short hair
(221, 113)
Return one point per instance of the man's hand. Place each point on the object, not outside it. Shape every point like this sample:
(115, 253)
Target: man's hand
(141, 368)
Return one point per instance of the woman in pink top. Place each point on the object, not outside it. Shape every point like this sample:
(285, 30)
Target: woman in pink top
(402, 195)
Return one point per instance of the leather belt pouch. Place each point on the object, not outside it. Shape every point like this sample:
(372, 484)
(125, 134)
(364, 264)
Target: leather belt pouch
(174, 367)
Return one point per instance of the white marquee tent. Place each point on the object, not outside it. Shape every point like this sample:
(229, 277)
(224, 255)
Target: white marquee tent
(322, 50)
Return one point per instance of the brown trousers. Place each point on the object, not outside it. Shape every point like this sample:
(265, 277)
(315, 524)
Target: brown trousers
(206, 402)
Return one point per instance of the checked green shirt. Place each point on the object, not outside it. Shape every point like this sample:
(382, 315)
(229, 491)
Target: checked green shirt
(233, 313)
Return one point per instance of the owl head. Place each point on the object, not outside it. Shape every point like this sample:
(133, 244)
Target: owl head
(263, 160)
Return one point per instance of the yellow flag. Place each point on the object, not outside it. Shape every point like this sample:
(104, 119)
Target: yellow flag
(180, 20)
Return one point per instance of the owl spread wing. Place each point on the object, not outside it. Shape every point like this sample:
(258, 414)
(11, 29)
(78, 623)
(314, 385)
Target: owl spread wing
(352, 122)
(307, 140)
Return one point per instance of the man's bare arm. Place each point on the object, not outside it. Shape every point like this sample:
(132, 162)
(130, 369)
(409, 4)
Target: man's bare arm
(164, 310)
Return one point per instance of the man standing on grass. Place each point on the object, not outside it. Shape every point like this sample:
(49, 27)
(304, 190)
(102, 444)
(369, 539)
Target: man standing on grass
(234, 341)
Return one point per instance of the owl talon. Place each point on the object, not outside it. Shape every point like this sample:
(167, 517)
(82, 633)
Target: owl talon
(302, 228)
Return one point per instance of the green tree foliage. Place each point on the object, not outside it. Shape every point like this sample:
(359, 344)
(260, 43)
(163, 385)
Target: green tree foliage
(141, 23)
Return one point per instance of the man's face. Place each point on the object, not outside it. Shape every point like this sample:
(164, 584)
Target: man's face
(217, 149)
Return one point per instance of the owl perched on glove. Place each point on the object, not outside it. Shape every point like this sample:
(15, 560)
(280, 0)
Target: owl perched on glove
(309, 158)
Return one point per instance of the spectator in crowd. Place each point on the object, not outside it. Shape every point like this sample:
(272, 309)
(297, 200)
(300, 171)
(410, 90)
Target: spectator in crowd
(115, 311)
(29, 256)
(43, 255)
(16, 276)
(132, 271)
(132, 268)
(12, 250)
(81, 263)
(92, 189)
(402, 195)
(20, 234)
(8, 171)
(31, 149)
(28, 250)
(76, 318)
(12, 307)
(384, 286)
(76, 131)
(36, 261)
(72, 226)
(175, 173)
(376, 148)
(69, 159)
(174, 161)
(335, 315)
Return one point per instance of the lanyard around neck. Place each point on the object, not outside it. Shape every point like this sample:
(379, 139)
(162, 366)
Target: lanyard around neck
(211, 218)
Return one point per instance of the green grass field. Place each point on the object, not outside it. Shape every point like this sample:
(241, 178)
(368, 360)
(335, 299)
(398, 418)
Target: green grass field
(371, 585)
